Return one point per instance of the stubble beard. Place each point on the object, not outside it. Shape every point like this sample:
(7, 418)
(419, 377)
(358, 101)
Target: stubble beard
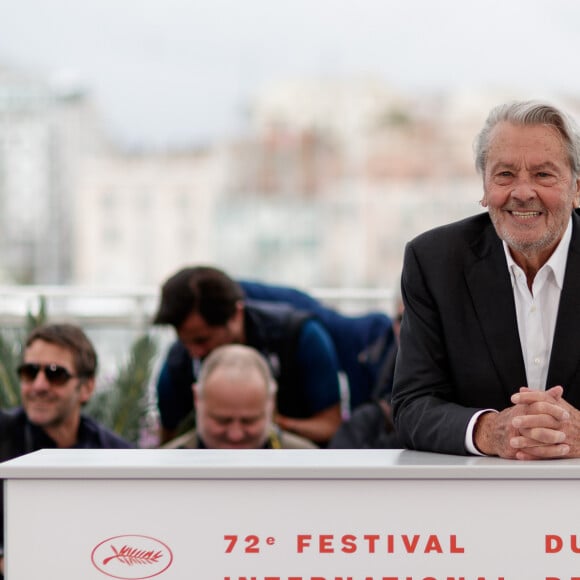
(522, 244)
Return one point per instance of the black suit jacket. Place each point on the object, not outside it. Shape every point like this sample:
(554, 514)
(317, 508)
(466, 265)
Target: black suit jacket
(460, 349)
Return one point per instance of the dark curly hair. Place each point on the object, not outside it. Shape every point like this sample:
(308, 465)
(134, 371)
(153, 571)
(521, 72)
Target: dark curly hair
(201, 289)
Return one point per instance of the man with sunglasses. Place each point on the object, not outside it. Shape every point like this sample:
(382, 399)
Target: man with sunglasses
(57, 377)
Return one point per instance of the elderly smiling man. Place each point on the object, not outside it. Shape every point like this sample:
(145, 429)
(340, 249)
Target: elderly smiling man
(489, 346)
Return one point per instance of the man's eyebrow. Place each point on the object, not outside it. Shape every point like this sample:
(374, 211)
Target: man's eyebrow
(253, 417)
(545, 165)
(220, 417)
(535, 167)
(502, 165)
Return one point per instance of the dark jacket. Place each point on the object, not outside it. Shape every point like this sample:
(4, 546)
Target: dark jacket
(459, 348)
(371, 424)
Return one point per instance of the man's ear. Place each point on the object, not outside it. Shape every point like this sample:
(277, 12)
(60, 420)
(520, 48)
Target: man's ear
(239, 315)
(236, 323)
(576, 201)
(270, 407)
(195, 389)
(86, 388)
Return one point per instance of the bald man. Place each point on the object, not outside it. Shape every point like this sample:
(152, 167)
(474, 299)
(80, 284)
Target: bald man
(235, 405)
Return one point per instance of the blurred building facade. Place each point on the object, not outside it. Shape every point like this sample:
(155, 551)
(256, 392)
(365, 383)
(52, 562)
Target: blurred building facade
(46, 129)
(340, 175)
(141, 216)
(324, 189)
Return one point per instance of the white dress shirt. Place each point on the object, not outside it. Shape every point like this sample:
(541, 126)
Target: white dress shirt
(536, 312)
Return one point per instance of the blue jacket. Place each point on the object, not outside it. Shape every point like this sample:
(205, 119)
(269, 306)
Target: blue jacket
(362, 343)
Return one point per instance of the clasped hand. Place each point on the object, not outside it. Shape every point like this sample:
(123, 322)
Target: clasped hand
(544, 425)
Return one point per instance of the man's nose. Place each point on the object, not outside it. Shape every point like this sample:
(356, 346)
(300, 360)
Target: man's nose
(523, 188)
(235, 431)
(40, 382)
(197, 350)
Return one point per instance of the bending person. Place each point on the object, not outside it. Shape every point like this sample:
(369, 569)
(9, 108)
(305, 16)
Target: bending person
(207, 309)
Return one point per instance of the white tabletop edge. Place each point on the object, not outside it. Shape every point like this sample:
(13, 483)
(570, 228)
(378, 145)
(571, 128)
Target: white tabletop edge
(275, 464)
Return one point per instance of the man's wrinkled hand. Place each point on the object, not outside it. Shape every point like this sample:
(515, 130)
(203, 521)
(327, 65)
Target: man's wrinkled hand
(493, 432)
(545, 429)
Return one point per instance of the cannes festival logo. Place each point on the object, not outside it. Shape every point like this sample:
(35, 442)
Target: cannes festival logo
(131, 557)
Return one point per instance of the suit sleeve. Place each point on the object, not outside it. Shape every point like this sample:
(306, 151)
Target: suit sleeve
(426, 416)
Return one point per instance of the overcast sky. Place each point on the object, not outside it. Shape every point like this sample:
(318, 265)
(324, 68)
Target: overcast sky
(173, 71)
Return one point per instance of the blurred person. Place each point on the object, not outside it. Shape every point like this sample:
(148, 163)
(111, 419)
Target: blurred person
(208, 309)
(371, 425)
(488, 353)
(57, 377)
(235, 399)
(363, 342)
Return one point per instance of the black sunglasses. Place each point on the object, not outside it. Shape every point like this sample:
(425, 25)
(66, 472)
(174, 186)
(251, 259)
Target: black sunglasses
(55, 374)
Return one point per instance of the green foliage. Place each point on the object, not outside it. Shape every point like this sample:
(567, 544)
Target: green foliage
(123, 404)
(11, 346)
(34, 320)
(9, 358)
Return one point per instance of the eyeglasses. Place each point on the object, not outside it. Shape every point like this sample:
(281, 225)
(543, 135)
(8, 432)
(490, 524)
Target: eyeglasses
(55, 374)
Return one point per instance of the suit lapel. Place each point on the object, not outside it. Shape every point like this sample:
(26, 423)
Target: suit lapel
(565, 357)
(489, 283)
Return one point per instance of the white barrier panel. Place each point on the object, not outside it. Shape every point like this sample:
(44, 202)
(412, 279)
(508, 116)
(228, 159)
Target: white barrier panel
(289, 515)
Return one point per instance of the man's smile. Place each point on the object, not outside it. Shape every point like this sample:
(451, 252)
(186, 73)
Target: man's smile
(525, 214)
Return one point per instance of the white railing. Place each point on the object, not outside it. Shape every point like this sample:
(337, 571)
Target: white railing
(134, 308)
(113, 318)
